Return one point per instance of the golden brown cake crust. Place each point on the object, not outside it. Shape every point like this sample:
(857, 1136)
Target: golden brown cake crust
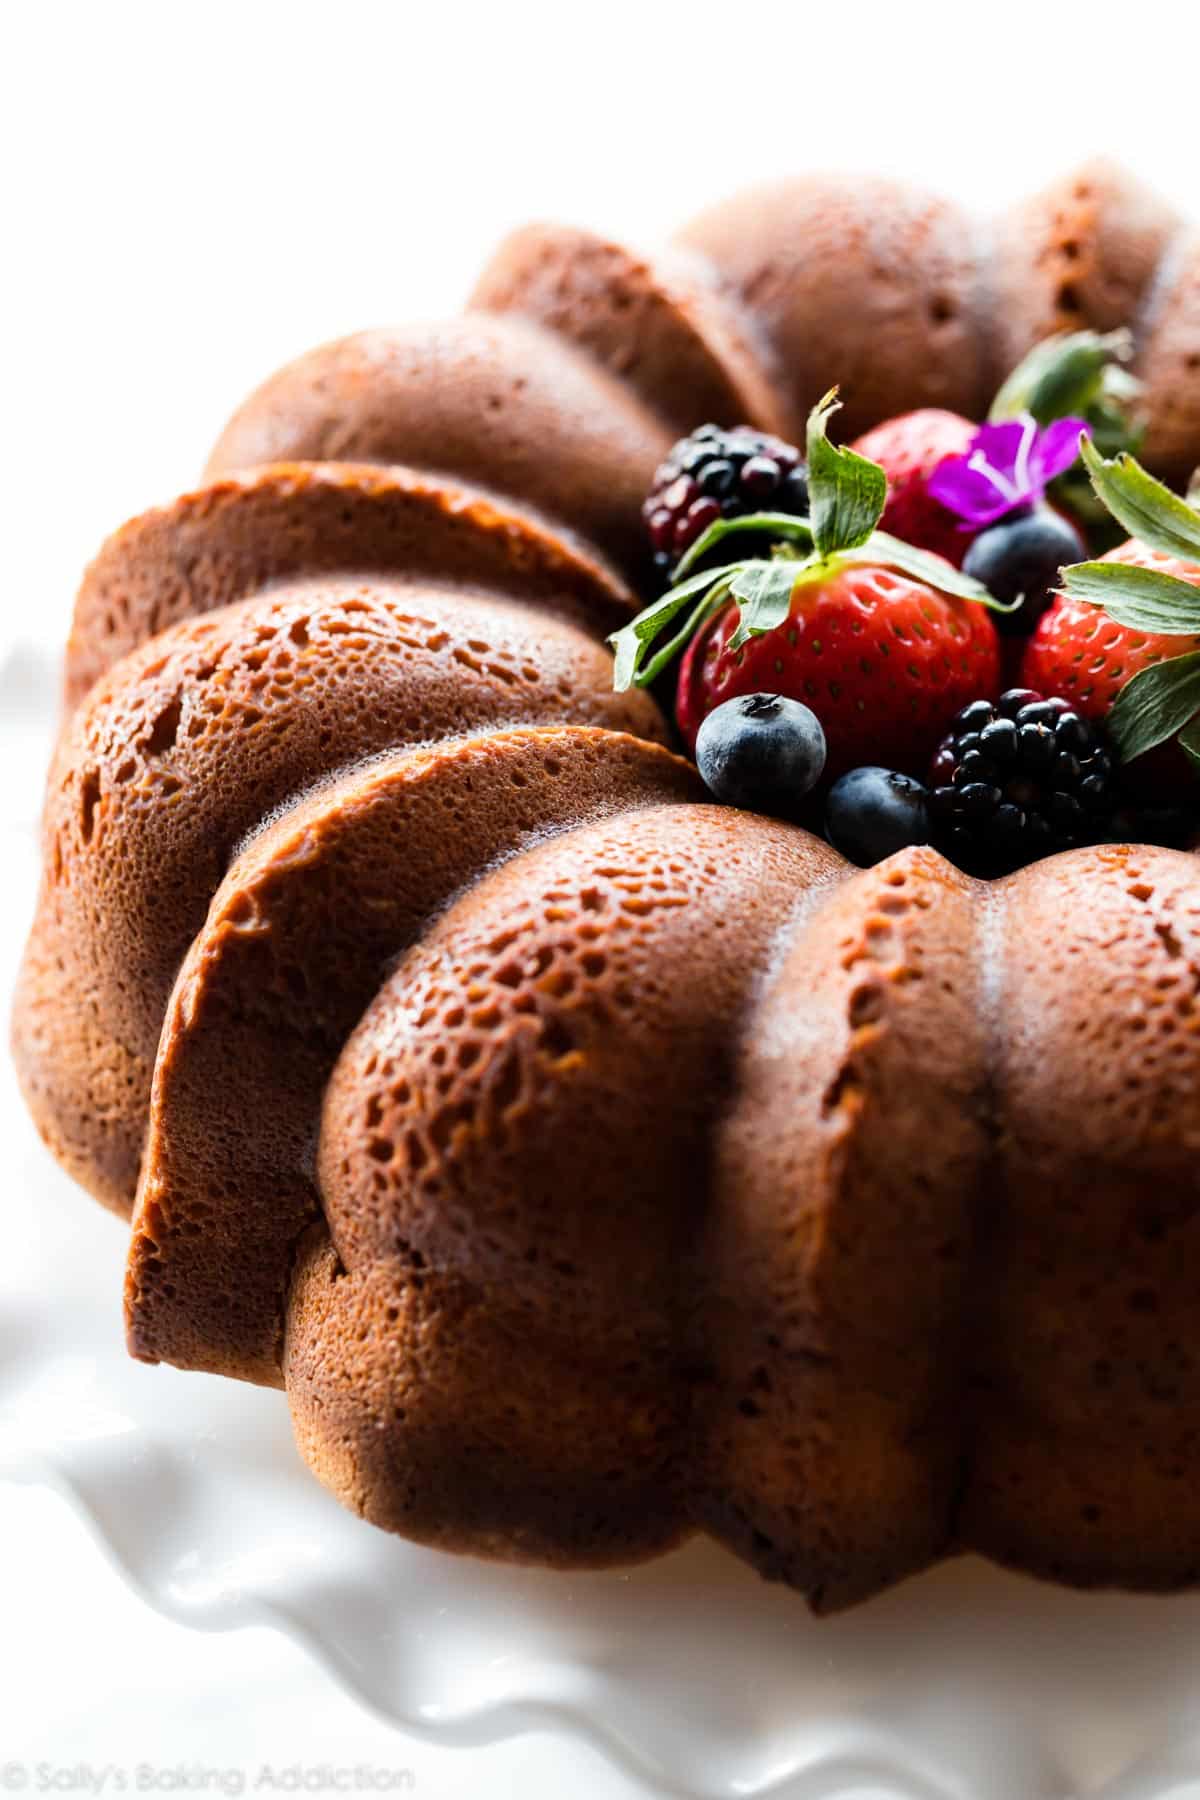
(659, 326)
(297, 940)
(194, 738)
(282, 521)
(841, 1235)
(591, 1164)
(1085, 1417)
(867, 1301)
(1169, 364)
(859, 280)
(490, 402)
(1083, 253)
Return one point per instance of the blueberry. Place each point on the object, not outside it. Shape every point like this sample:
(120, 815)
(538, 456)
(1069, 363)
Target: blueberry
(763, 752)
(1019, 559)
(872, 812)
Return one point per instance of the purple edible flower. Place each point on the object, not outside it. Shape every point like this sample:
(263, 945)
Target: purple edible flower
(1006, 466)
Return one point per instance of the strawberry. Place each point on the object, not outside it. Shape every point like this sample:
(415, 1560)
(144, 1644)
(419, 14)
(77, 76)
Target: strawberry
(883, 659)
(909, 449)
(1079, 652)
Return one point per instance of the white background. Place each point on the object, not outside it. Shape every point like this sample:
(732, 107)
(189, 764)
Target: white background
(194, 193)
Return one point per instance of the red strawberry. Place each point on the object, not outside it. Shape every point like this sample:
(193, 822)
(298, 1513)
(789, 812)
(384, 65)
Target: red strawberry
(884, 661)
(1079, 652)
(909, 449)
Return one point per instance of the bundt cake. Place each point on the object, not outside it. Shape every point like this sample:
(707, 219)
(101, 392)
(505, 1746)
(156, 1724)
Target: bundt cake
(593, 1163)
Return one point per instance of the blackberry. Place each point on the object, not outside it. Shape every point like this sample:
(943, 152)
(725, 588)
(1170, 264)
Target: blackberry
(717, 474)
(1019, 779)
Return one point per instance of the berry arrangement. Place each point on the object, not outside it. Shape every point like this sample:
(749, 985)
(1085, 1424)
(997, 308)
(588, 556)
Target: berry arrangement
(902, 641)
(882, 658)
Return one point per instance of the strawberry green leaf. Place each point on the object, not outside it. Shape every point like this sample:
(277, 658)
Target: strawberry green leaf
(1189, 743)
(763, 592)
(1143, 599)
(665, 655)
(1148, 510)
(1154, 704)
(780, 527)
(846, 492)
(1193, 493)
(1065, 375)
(924, 565)
(631, 644)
